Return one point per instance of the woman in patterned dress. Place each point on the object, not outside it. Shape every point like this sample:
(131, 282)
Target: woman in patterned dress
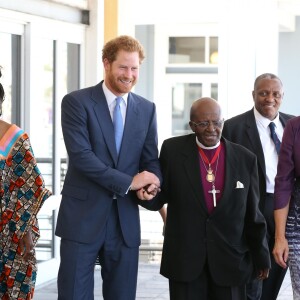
(22, 193)
(287, 204)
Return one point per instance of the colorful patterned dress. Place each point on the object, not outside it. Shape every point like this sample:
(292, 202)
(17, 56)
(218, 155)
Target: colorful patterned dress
(22, 193)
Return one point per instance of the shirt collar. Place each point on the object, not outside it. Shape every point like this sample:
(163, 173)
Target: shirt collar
(265, 121)
(110, 97)
(207, 148)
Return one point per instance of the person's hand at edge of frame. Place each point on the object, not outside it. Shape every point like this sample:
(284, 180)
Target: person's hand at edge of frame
(26, 245)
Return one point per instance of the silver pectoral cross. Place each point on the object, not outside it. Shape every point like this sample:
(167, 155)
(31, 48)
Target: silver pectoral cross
(214, 192)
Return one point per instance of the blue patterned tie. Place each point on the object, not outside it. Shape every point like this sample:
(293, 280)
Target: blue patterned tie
(118, 123)
(275, 137)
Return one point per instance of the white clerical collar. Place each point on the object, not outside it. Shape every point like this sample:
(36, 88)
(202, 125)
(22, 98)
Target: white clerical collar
(207, 148)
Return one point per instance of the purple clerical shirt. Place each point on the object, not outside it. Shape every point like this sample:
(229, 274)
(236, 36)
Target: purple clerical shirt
(288, 163)
(219, 177)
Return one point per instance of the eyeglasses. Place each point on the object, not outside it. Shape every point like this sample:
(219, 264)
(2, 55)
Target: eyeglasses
(205, 124)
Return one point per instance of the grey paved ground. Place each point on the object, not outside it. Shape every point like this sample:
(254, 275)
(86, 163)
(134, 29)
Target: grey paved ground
(151, 285)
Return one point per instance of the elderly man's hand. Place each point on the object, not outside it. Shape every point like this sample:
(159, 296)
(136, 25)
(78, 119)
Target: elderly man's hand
(148, 192)
(263, 274)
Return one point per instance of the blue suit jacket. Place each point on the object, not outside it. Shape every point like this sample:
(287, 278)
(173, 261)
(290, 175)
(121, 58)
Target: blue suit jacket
(96, 173)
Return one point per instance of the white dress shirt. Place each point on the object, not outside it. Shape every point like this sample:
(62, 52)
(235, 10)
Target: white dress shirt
(111, 102)
(271, 156)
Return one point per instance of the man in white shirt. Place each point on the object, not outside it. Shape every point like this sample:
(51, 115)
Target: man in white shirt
(251, 129)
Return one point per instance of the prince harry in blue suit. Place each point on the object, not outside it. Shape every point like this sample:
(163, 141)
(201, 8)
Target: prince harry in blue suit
(99, 212)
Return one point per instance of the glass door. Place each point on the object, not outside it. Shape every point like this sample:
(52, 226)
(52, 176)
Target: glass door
(185, 89)
(10, 54)
(56, 72)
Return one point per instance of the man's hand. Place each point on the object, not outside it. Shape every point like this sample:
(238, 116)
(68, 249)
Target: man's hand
(26, 245)
(143, 179)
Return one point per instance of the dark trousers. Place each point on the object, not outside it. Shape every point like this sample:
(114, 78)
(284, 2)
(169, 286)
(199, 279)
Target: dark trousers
(119, 265)
(204, 288)
(268, 289)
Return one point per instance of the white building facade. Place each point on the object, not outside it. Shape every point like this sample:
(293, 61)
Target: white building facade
(195, 48)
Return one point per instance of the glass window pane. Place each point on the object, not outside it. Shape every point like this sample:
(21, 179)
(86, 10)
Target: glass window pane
(213, 50)
(186, 50)
(6, 79)
(41, 130)
(214, 91)
(41, 106)
(66, 65)
(71, 71)
(10, 63)
(183, 96)
(72, 67)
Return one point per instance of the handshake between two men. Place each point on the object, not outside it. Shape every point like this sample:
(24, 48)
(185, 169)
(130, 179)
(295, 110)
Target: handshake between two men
(146, 185)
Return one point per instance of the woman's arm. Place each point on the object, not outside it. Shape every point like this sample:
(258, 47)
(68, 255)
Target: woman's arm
(281, 248)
